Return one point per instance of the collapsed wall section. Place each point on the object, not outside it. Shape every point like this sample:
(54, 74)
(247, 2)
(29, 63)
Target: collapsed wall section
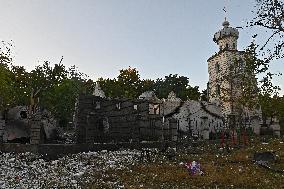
(120, 120)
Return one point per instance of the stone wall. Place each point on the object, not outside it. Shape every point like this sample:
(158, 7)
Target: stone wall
(36, 136)
(106, 120)
(223, 59)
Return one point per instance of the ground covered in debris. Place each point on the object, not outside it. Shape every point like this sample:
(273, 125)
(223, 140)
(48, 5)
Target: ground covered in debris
(127, 169)
(27, 170)
(222, 169)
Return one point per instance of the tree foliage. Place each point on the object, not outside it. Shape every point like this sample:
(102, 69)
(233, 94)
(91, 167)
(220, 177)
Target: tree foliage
(269, 14)
(246, 79)
(179, 85)
(6, 75)
(128, 84)
(54, 87)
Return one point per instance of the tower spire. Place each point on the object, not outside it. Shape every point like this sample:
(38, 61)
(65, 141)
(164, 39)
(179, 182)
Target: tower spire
(225, 9)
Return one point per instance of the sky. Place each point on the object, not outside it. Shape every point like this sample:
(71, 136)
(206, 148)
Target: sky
(101, 37)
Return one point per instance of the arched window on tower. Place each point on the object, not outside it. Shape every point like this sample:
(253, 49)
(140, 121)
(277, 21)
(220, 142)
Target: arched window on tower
(227, 46)
(218, 90)
(217, 67)
(241, 64)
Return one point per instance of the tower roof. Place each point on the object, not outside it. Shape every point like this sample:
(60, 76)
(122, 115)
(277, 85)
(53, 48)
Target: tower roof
(226, 32)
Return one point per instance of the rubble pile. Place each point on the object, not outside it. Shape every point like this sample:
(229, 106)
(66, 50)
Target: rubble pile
(27, 170)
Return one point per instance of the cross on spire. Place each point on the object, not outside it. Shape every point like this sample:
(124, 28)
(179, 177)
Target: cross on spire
(225, 9)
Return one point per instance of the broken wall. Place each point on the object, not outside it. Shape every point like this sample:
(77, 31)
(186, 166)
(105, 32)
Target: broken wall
(105, 120)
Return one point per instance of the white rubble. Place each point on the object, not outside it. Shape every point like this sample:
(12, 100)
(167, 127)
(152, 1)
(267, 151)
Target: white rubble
(27, 170)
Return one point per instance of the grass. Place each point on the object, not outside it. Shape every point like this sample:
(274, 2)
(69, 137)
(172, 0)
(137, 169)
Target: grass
(233, 169)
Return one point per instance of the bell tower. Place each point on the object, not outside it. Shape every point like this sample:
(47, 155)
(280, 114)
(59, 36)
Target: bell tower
(218, 64)
(227, 37)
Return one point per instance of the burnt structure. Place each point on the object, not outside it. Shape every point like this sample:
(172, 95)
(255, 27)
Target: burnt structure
(18, 125)
(122, 120)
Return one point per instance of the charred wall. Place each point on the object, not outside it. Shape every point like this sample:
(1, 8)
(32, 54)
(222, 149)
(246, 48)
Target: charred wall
(116, 120)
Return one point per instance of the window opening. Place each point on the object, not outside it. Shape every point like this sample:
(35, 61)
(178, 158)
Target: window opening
(135, 107)
(98, 105)
(118, 106)
(218, 90)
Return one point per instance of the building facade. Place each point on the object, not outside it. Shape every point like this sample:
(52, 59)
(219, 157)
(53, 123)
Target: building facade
(218, 67)
(224, 86)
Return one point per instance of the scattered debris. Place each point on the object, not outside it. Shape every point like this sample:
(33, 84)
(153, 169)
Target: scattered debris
(194, 168)
(171, 153)
(266, 160)
(27, 170)
(264, 156)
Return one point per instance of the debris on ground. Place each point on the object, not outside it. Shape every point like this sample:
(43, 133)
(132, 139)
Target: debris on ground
(27, 170)
(266, 160)
(264, 156)
(194, 168)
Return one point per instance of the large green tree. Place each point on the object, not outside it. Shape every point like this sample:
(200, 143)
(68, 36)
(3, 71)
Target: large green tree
(179, 85)
(128, 84)
(6, 76)
(57, 89)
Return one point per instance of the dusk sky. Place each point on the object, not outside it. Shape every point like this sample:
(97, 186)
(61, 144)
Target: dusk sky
(100, 37)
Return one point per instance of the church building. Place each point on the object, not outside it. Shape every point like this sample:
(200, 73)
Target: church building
(221, 91)
(218, 66)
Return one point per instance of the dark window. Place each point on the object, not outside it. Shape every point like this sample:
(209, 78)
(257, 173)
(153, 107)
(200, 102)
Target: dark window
(23, 114)
(227, 46)
(217, 67)
(100, 125)
(241, 64)
(234, 45)
(154, 109)
(218, 90)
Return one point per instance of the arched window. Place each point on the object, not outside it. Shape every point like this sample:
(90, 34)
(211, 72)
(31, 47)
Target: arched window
(227, 46)
(234, 45)
(217, 67)
(218, 90)
(241, 64)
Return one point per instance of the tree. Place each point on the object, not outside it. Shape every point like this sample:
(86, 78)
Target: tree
(110, 87)
(6, 75)
(5, 87)
(20, 84)
(179, 85)
(147, 85)
(271, 106)
(57, 89)
(204, 95)
(62, 99)
(128, 84)
(245, 80)
(269, 15)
